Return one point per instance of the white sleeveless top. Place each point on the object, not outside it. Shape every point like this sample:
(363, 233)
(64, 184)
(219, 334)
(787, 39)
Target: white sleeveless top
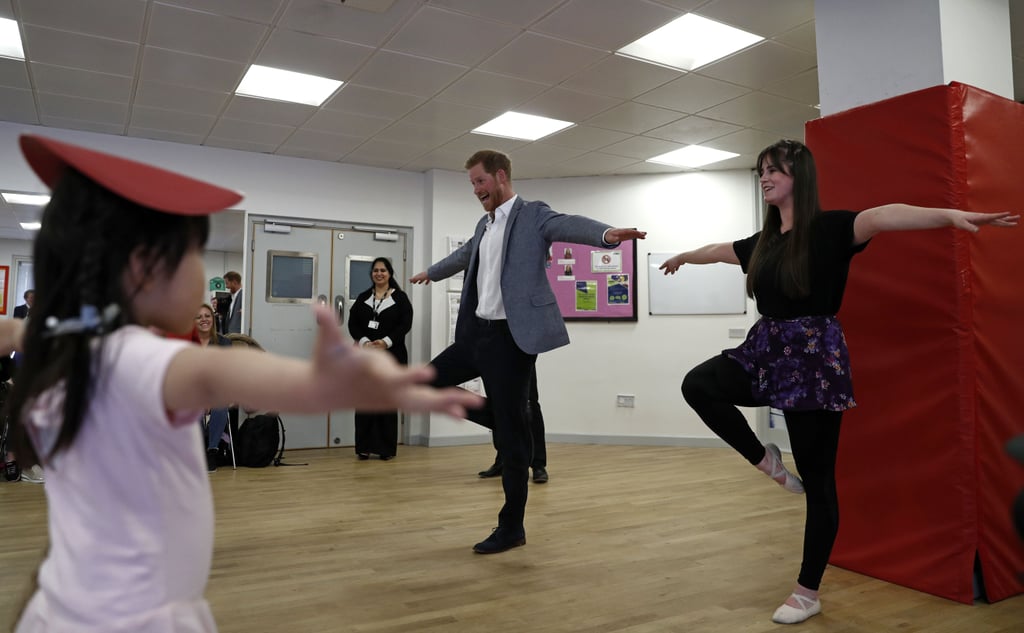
(130, 507)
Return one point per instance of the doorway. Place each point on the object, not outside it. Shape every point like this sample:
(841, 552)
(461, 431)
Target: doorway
(294, 264)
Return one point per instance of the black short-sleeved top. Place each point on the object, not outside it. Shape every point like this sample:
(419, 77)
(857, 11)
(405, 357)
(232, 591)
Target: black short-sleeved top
(831, 251)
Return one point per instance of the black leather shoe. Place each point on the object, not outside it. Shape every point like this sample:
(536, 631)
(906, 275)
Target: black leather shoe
(493, 471)
(500, 540)
(540, 475)
(363, 456)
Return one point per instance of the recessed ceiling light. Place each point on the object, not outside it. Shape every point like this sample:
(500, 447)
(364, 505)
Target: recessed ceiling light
(692, 156)
(527, 127)
(31, 226)
(284, 85)
(33, 199)
(689, 42)
(10, 40)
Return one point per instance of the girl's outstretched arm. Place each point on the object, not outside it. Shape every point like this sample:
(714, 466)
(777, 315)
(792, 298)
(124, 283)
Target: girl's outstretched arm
(340, 375)
(905, 217)
(722, 253)
(12, 332)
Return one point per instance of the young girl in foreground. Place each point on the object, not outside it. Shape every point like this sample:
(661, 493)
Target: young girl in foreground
(109, 408)
(795, 356)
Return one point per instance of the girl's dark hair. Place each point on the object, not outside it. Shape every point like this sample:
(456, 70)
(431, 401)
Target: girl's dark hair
(80, 257)
(391, 273)
(795, 159)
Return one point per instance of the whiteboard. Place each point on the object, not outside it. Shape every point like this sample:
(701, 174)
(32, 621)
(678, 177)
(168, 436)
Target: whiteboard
(695, 288)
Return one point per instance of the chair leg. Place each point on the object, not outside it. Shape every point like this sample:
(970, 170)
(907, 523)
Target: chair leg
(231, 444)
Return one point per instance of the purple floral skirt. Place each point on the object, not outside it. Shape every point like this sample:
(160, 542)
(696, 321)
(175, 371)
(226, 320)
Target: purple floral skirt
(797, 364)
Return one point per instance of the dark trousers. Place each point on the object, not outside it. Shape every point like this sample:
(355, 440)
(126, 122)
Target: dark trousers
(493, 355)
(535, 419)
(714, 389)
(377, 433)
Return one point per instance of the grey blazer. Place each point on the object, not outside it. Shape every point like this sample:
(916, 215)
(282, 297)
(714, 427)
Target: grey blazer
(533, 316)
(234, 325)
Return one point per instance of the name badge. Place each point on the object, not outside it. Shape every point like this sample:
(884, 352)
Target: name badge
(373, 325)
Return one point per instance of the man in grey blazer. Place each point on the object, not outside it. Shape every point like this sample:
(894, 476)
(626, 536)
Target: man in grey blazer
(233, 281)
(508, 315)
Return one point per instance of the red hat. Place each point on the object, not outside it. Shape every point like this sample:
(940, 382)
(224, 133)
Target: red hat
(143, 184)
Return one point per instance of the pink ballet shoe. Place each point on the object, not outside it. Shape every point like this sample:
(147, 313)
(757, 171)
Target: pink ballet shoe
(791, 482)
(794, 615)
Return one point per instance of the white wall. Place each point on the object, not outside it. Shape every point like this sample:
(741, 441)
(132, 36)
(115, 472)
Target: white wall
(578, 383)
(648, 359)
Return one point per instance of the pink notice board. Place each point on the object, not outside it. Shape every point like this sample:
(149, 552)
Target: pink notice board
(593, 283)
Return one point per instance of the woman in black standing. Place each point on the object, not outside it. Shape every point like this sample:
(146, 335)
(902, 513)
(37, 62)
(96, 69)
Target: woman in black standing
(380, 318)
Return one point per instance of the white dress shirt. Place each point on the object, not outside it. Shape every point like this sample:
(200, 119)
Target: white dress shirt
(488, 277)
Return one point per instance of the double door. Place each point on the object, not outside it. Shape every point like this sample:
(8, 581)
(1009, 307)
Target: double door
(294, 265)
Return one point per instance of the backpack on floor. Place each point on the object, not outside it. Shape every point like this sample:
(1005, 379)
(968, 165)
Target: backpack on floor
(259, 441)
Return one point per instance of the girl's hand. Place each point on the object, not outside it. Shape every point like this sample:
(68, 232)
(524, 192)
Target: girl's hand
(969, 221)
(672, 264)
(348, 377)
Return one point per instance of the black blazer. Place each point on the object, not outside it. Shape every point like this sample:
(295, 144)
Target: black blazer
(21, 312)
(395, 321)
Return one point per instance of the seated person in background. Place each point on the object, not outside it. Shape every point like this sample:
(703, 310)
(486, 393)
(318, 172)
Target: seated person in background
(204, 332)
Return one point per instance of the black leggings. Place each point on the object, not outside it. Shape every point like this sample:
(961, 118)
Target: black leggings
(715, 388)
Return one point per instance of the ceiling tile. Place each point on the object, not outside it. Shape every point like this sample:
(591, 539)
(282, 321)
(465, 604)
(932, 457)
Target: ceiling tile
(606, 24)
(692, 93)
(164, 135)
(489, 90)
(754, 108)
(440, 159)
(346, 123)
(586, 137)
(183, 98)
(81, 83)
(780, 16)
(79, 124)
(543, 154)
(115, 19)
(760, 65)
(312, 54)
(1017, 29)
(205, 34)
(520, 12)
(171, 120)
(648, 168)
(64, 107)
(17, 106)
(5, 10)
(634, 118)
(802, 88)
(407, 74)
(617, 76)
(372, 102)
(240, 144)
(744, 142)
(450, 37)
(260, 133)
(467, 144)
(1018, 79)
(451, 115)
(13, 73)
(595, 163)
(542, 58)
(426, 137)
(61, 48)
(789, 122)
(262, 11)
(326, 146)
(693, 130)
(743, 161)
(268, 111)
(641, 147)
(383, 154)
(205, 73)
(567, 105)
(334, 19)
(802, 37)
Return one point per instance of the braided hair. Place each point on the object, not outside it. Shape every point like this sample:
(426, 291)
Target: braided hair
(88, 237)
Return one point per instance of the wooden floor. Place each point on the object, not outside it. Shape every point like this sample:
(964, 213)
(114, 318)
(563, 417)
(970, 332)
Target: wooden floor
(623, 539)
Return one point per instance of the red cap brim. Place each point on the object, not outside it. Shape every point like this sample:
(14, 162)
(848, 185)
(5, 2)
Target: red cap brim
(143, 184)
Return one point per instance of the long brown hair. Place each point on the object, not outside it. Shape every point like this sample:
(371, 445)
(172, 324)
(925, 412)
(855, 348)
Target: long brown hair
(795, 159)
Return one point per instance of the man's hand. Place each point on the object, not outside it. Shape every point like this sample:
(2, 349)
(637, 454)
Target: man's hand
(420, 278)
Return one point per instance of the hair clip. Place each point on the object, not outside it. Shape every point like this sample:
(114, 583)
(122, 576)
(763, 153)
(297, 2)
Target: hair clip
(89, 321)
